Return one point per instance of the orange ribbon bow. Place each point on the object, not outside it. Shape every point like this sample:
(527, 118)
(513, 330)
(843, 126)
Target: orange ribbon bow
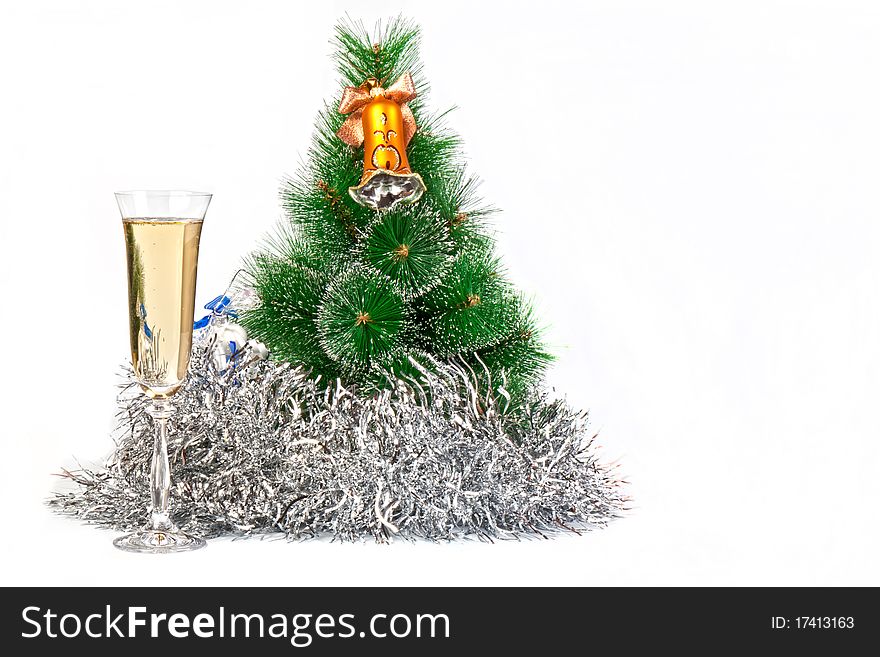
(354, 99)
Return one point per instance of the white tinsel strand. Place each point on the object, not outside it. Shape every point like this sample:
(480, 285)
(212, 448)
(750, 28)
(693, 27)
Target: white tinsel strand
(261, 447)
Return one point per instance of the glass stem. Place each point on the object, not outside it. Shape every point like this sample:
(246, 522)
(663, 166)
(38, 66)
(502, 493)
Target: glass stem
(160, 472)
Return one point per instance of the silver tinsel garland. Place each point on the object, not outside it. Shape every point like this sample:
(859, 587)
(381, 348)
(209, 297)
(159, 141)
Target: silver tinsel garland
(261, 447)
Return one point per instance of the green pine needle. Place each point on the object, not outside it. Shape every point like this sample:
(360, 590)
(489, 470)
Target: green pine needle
(290, 292)
(385, 54)
(456, 200)
(517, 362)
(361, 318)
(411, 247)
(472, 308)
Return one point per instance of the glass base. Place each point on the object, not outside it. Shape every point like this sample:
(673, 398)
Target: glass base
(155, 541)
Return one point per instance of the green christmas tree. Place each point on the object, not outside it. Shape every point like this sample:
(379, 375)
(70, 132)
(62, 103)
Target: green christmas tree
(359, 292)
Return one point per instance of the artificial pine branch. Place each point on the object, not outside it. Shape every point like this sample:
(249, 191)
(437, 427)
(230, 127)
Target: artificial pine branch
(363, 296)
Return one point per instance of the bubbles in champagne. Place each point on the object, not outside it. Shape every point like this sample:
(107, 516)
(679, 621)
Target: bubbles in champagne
(162, 260)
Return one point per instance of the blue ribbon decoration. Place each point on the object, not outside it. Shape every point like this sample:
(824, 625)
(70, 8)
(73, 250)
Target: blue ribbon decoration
(218, 306)
(147, 330)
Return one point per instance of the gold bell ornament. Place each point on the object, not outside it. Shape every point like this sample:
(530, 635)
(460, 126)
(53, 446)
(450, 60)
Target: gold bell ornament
(380, 119)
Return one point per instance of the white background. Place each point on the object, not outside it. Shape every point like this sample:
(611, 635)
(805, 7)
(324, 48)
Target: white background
(690, 191)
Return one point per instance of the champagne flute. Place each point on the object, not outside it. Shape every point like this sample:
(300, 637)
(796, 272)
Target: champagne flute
(162, 230)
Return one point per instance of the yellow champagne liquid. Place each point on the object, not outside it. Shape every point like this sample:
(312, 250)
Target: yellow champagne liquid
(162, 258)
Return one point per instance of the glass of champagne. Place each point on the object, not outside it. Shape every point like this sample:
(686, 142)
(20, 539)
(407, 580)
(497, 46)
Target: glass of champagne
(162, 230)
